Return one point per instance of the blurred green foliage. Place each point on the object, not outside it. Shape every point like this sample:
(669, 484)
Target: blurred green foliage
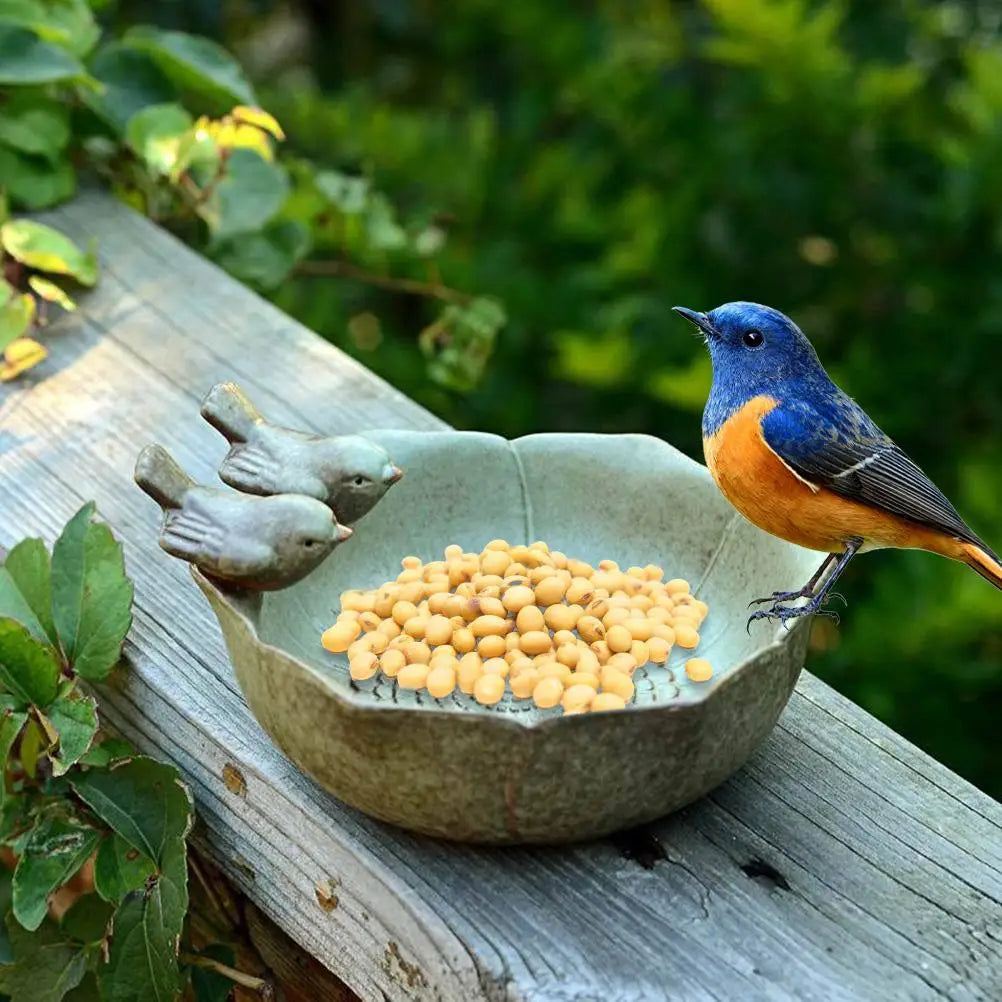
(593, 164)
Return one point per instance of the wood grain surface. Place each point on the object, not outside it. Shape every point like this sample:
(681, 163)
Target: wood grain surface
(841, 863)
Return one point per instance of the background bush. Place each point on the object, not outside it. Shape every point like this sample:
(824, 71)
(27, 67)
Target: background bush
(595, 163)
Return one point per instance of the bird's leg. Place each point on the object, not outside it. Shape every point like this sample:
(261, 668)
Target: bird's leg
(785, 612)
(806, 592)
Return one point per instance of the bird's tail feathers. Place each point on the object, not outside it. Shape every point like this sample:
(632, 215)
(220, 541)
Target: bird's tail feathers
(981, 559)
(229, 411)
(159, 475)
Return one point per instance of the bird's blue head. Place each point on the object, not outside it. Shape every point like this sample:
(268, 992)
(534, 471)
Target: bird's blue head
(754, 349)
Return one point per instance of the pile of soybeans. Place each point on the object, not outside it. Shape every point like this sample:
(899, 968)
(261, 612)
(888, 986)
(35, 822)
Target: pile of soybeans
(525, 619)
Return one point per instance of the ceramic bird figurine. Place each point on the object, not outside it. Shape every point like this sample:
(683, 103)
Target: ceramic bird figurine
(258, 543)
(349, 473)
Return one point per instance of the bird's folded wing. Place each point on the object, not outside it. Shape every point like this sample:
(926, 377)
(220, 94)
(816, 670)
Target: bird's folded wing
(841, 449)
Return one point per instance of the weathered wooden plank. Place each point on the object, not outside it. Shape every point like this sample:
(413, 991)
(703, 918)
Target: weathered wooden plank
(842, 863)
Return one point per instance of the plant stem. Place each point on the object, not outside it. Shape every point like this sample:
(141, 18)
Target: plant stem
(342, 269)
(237, 977)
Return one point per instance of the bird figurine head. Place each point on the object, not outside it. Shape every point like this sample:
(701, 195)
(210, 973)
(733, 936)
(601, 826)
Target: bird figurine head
(358, 474)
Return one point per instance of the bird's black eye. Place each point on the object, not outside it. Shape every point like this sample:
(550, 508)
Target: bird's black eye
(308, 543)
(752, 338)
(359, 481)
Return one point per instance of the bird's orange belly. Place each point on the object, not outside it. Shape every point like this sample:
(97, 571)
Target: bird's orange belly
(769, 494)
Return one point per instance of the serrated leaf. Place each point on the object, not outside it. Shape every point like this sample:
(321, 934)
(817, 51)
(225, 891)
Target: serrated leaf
(120, 869)
(16, 316)
(91, 596)
(33, 124)
(210, 985)
(12, 720)
(68, 23)
(75, 721)
(55, 850)
(29, 670)
(20, 356)
(87, 919)
(141, 799)
(108, 751)
(34, 182)
(26, 59)
(51, 292)
(194, 63)
(45, 249)
(250, 192)
(142, 963)
(26, 589)
(265, 259)
(132, 80)
(46, 964)
(155, 134)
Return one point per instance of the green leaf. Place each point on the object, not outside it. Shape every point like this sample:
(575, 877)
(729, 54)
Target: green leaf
(120, 869)
(346, 193)
(16, 316)
(29, 670)
(68, 23)
(142, 963)
(12, 720)
(4, 208)
(34, 124)
(86, 991)
(132, 81)
(108, 751)
(55, 850)
(87, 919)
(251, 191)
(141, 799)
(33, 743)
(26, 589)
(155, 132)
(51, 292)
(210, 985)
(194, 63)
(6, 895)
(91, 596)
(46, 964)
(75, 720)
(26, 59)
(265, 259)
(459, 344)
(381, 226)
(35, 183)
(40, 246)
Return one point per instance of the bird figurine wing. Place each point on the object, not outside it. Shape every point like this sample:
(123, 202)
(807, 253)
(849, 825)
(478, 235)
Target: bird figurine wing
(844, 451)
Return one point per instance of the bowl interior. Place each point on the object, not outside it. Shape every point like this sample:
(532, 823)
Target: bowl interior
(631, 498)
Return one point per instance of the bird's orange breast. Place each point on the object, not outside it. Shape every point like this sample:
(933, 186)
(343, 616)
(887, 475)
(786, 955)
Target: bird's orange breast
(768, 493)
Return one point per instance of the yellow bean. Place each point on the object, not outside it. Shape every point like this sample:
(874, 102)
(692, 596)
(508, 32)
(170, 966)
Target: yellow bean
(523, 684)
(463, 639)
(616, 616)
(591, 628)
(550, 590)
(415, 626)
(519, 664)
(618, 683)
(640, 652)
(492, 646)
(623, 662)
(580, 591)
(601, 650)
(653, 573)
(658, 614)
(441, 681)
(409, 563)
(640, 629)
(438, 629)
(577, 696)
(569, 654)
(535, 642)
(547, 692)
(498, 544)
(608, 701)
(363, 666)
(641, 603)
(562, 617)
(339, 637)
(413, 676)
(558, 559)
(496, 666)
(402, 611)
(553, 669)
(409, 576)
(452, 551)
(470, 669)
(378, 642)
(587, 660)
(665, 632)
(677, 586)
(518, 597)
(618, 638)
(698, 669)
(580, 569)
(488, 689)
(484, 626)
(359, 601)
(391, 661)
(417, 652)
(361, 646)
(583, 678)
(495, 562)
(658, 650)
(686, 636)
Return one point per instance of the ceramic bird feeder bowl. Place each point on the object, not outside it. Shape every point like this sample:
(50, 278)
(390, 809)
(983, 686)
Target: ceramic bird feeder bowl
(512, 773)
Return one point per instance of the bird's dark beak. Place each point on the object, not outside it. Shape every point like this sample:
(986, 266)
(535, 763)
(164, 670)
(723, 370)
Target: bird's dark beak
(701, 320)
(394, 475)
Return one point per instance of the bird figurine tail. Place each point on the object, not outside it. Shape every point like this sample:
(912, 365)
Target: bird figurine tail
(981, 559)
(229, 411)
(158, 474)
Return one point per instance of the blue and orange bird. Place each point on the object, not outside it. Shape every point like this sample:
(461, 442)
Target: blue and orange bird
(801, 459)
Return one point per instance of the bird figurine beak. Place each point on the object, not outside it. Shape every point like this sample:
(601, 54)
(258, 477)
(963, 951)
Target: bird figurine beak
(701, 320)
(342, 532)
(394, 475)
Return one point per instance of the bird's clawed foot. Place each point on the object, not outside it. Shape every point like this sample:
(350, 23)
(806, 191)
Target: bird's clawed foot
(784, 613)
(782, 596)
